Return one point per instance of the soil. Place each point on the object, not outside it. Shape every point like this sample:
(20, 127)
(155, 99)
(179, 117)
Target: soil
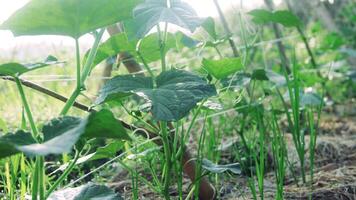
(334, 174)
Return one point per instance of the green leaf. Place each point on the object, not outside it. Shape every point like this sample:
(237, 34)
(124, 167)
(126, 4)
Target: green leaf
(259, 74)
(185, 41)
(261, 16)
(86, 192)
(150, 48)
(103, 124)
(175, 94)
(209, 27)
(113, 46)
(122, 86)
(61, 134)
(3, 126)
(17, 69)
(284, 17)
(152, 12)
(222, 68)
(108, 151)
(215, 168)
(72, 18)
(10, 141)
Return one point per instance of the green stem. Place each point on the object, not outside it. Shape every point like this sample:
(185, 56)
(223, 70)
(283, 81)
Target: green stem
(27, 108)
(35, 181)
(78, 60)
(41, 177)
(167, 151)
(88, 64)
(64, 175)
(86, 71)
(145, 65)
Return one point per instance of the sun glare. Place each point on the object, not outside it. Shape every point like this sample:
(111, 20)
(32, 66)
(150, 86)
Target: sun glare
(204, 8)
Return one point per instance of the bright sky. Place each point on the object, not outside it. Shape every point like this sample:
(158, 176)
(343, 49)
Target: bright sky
(203, 7)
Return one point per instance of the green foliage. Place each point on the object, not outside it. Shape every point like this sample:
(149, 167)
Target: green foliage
(61, 134)
(113, 46)
(17, 69)
(147, 47)
(284, 17)
(152, 12)
(175, 92)
(72, 18)
(222, 68)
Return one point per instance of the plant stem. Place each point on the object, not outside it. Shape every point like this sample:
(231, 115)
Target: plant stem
(227, 29)
(27, 108)
(64, 175)
(86, 71)
(167, 151)
(38, 176)
(78, 60)
(145, 65)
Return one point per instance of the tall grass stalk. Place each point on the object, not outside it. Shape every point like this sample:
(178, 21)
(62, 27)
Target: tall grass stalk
(279, 155)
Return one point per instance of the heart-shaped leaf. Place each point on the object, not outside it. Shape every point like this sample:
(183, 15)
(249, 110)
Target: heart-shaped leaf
(61, 134)
(152, 12)
(85, 192)
(222, 68)
(17, 69)
(71, 18)
(175, 94)
(284, 17)
(215, 168)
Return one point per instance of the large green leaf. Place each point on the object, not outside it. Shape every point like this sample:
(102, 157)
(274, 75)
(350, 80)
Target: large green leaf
(17, 69)
(284, 17)
(86, 192)
(61, 134)
(68, 17)
(175, 93)
(152, 12)
(222, 68)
